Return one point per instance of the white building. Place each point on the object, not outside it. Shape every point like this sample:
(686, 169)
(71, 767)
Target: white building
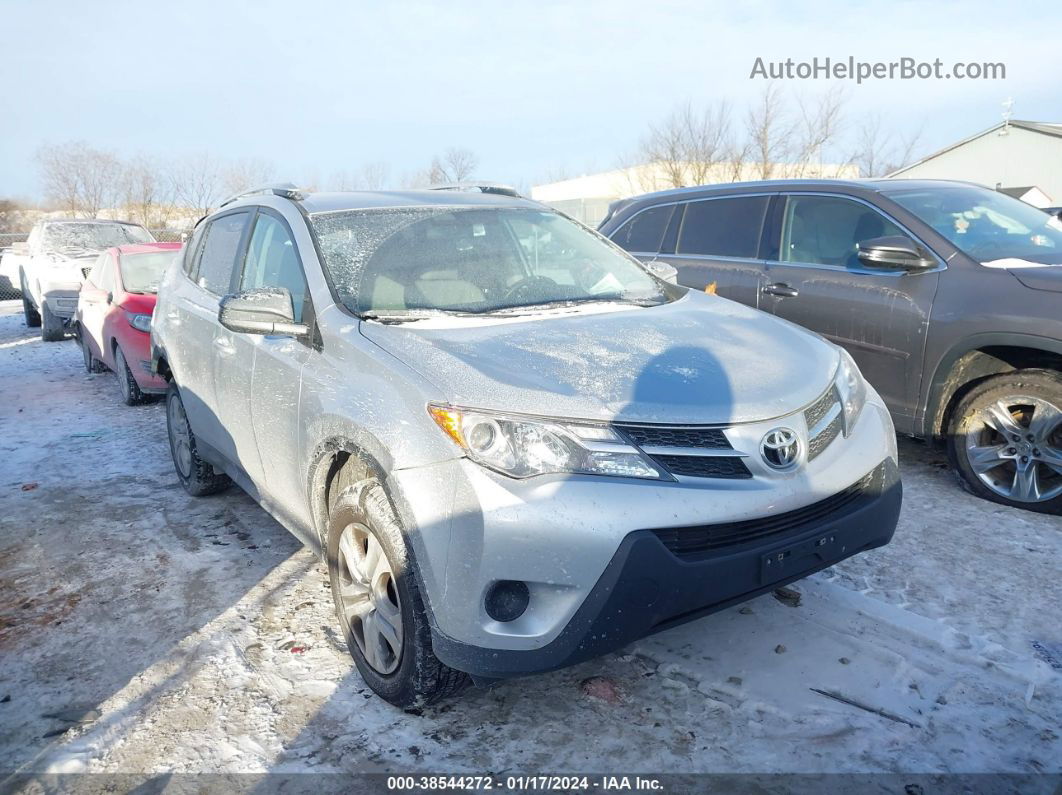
(588, 197)
(1011, 154)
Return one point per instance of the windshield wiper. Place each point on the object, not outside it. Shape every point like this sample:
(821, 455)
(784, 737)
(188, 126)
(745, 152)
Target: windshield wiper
(566, 302)
(410, 315)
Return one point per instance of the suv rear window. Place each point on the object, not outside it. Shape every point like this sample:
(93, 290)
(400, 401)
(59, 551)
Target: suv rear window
(644, 231)
(723, 227)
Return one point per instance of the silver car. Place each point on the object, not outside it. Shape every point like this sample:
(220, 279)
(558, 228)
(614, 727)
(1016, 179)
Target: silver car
(515, 446)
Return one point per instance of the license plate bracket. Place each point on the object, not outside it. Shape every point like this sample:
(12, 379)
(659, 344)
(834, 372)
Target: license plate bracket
(808, 554)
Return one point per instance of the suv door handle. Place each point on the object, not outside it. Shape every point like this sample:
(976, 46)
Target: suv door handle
(781, 290)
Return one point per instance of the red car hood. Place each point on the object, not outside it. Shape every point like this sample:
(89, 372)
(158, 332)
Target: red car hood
(138, 304)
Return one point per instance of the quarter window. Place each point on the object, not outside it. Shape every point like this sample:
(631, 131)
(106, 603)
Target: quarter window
(723, 227)
(273, 262)
(827, 230)
(221, 244)
(644, 231)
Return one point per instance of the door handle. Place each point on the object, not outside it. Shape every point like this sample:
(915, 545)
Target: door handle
(781, 290)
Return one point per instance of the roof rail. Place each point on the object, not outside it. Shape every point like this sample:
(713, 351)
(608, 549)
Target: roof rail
(483, 187)
(286, 190)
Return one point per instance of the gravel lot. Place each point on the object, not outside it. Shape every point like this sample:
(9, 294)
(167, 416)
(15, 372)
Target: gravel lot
(145, 631)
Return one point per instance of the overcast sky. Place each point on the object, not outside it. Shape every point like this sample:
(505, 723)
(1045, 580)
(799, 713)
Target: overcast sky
(318, 88)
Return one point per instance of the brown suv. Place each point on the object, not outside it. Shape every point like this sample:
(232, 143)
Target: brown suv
(947, 294)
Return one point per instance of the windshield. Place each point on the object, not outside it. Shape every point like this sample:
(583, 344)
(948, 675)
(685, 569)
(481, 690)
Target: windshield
(141, 273)
(424, 260)
(93, 236)
(985, 224)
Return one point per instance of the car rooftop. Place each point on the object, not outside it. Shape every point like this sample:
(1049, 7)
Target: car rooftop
(364, 200)
(879, 185)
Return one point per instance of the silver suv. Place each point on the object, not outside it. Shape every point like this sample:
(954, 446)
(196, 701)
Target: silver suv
(515, 446)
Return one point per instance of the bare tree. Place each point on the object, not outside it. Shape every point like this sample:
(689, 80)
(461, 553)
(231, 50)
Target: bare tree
(768, 130)
(817, 127)
(374, 175)
(245, 174)
(81, 179)
(145, 190)
(878, 153)
(197, 182)
(453, 165)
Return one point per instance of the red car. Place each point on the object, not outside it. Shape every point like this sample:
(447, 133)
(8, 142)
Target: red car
(114, 315)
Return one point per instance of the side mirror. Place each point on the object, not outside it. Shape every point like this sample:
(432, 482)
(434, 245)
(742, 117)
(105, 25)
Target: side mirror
(662, 271)
(263, 310)
(894, 252)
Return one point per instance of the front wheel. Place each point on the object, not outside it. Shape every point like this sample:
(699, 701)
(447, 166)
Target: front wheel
(128, 388)
(51, 324)
(378, 602)
(1005, 440)
(29, 311)
(196, 475)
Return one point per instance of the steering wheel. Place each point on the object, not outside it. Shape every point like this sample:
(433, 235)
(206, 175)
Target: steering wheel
(526, 290)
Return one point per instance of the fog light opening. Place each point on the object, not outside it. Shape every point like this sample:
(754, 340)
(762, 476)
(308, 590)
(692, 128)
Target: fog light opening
(507, 600)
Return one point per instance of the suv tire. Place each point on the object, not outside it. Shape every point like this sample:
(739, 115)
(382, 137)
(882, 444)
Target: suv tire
(377, 598)
(51, 325)
(127, 385)
(196, 475)
(1005, 440)
(29, 311)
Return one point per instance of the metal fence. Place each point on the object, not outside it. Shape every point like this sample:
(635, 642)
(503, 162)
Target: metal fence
(9, 284)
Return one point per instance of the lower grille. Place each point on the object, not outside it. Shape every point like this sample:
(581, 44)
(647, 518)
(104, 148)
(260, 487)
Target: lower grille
(698, 540)
(697, 466)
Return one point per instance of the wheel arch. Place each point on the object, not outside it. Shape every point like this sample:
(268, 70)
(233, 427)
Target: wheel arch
(977, 358)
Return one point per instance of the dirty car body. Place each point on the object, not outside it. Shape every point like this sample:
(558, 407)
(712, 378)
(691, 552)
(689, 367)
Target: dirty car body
(577, 452)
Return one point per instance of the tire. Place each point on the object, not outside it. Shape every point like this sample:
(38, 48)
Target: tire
(1005, 440)
(92, 364)
(29, 311)
(362, 520)
(127, 385)
(51, 325)
(196, 475)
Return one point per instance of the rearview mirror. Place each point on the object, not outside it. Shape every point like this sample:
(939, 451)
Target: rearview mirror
(662, 270)
(894, 252)
(263, 310)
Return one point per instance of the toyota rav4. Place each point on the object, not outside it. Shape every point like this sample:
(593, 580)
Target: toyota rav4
(515, 447)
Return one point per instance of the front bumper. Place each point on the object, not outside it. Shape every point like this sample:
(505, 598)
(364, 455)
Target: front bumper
(61, 298)
(647, 587)
(561, 535)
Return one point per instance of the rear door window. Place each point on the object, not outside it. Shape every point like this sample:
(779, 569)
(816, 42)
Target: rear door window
(644, 232)
(221, 245)
(728, 227)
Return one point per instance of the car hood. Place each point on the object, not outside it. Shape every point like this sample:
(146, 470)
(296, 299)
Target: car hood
(701, 359)
(1047, 278)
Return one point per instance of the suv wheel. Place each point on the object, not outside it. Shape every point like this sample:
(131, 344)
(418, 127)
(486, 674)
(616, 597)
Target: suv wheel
(1005, 439)
(127, 385)
(29, 311)
(51, 324)
(196, 475)
(378, 602)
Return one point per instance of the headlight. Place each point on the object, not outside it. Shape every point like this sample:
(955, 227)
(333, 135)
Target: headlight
(521, 448)
(852, 389)
(139, 322)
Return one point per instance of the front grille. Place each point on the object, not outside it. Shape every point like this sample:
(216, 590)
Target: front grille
(676, 436)
(702, 466)
(86, 271)
(820, 408)
(819, 443)
(699, 540)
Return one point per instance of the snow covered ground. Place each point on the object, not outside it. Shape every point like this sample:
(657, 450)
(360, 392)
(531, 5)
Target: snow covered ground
(144, 631)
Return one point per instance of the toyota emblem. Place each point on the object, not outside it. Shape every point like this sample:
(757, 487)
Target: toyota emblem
(780, 448)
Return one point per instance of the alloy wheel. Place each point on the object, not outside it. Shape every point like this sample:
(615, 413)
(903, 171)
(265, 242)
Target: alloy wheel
(1015, 448)
(369, 601)
(180, 437)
